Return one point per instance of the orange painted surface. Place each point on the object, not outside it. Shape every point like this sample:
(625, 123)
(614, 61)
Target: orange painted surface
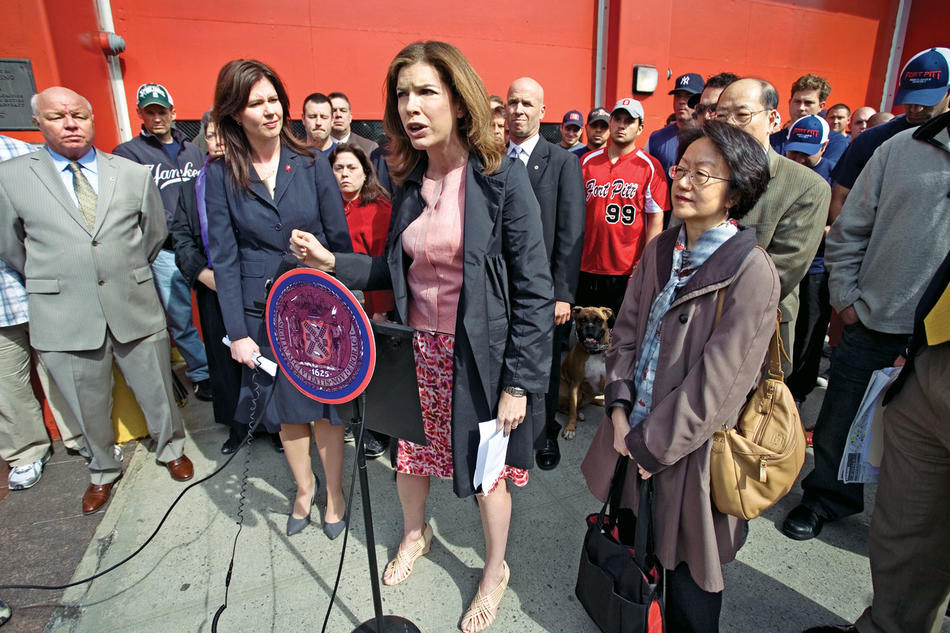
(60, 38)
(183, 44)
(845, 41)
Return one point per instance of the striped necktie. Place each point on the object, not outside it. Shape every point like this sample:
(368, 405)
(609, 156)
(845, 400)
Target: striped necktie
(85, 194)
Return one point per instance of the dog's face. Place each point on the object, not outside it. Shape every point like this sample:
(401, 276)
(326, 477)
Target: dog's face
(592, 326)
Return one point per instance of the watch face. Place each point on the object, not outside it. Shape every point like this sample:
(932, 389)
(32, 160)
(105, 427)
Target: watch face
(320, 336)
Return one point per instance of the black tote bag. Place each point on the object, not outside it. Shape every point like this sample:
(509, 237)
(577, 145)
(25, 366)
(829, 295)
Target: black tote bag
(619, 581)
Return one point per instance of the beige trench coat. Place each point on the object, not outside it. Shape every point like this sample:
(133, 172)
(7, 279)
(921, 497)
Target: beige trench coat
(702, 379)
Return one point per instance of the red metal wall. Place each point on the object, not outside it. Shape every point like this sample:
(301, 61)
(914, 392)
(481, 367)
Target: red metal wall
(846, 41)
(60, 39)
(347, 46)
(182, 44)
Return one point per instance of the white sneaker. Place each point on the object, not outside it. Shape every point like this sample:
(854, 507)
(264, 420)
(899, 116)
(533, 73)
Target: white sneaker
(22, 477)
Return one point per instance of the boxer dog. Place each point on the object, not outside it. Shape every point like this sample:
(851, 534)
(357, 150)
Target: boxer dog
(583, 372)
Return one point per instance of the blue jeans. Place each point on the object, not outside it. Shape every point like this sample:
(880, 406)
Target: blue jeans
(860, 353)
(176, 299)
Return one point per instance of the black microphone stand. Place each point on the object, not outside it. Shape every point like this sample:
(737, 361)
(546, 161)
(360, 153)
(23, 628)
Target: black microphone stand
(380, 623)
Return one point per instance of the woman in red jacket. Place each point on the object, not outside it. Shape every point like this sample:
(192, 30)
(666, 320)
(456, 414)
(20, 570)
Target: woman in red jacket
(367, 208)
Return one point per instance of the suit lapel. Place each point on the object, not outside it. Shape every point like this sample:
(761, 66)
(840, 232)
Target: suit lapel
(538, 162)
(286, 171)
(107, 179)
(45, 170)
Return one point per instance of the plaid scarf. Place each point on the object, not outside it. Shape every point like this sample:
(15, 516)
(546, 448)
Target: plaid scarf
(685, 265)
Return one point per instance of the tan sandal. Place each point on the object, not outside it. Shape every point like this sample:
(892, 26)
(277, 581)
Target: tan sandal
(484, 608)
(401, 566)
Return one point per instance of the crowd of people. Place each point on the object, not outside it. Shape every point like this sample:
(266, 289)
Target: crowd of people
(467, 225)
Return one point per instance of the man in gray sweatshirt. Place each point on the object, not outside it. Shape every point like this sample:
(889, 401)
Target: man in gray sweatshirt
(892, 234)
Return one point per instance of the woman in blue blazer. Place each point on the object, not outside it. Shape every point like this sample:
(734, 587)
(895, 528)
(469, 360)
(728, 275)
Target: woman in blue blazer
(466, 226)
(267, 185)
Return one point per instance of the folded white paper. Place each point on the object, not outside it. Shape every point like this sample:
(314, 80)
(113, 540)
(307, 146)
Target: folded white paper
(861, 460)
(264, 363)
(492, 450)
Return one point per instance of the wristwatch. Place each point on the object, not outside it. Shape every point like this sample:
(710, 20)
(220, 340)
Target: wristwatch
(517, 392)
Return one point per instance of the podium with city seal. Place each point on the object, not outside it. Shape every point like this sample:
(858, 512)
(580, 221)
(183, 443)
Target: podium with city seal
(326, 346)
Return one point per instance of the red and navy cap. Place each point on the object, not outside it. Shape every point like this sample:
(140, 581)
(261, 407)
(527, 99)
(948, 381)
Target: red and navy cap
(574, 117)
(925, 79)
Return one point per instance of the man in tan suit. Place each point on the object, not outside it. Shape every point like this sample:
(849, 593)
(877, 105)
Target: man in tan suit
(789, 218)
(81, 226)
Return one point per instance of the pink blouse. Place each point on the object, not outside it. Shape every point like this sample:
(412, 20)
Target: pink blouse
(434, 243)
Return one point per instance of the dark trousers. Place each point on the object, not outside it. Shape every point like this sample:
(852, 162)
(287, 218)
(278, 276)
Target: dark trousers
(601, 291)
(860, 353)
(224, 372)
(814, 311)
(689, 609)
(551, 426)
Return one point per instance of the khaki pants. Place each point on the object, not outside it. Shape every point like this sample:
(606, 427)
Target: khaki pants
(23, 436)
(909, 553)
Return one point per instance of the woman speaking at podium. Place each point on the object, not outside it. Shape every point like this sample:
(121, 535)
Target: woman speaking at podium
(469, 273)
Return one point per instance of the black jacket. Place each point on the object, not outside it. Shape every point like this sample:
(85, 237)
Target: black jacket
(556, 180)
(168, 174)
(504, 327)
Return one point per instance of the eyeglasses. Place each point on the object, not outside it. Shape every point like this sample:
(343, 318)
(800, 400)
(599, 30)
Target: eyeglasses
(741, 118)
(696, 176)
(704, 110)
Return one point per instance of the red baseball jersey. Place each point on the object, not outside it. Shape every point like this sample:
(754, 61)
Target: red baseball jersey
(618, 194)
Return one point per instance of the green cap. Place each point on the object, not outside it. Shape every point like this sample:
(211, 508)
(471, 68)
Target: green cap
(148, 94)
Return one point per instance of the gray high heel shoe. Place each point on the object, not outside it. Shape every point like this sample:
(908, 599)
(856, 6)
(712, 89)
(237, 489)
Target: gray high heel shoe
(294, 524)
(333, 530)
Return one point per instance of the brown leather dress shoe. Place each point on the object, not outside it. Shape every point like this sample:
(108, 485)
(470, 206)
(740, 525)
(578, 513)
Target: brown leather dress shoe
(181, 469)
(96, 496)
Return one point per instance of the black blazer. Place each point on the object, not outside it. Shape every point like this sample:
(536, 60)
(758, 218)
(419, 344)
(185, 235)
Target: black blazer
(249, 232)
(504, 327)
(556, 179)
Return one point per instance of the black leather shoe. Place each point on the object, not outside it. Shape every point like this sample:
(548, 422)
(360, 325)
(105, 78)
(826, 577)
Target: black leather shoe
(230, 445)
(802, 523)
(203, 390)
(832, 629)
(549, 455)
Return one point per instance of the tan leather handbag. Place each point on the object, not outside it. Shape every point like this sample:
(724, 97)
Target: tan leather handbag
(755, 463)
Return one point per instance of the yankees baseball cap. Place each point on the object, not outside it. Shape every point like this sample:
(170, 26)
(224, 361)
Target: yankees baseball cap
(630, 105)
(690, 82)
(925, 78)
(598, 114)
(147, 94)
(574, 117)
(807, 135)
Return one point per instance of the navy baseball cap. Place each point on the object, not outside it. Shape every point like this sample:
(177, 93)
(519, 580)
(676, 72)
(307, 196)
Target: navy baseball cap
(690, 82)
(807, 135)
(598, 114)
(925, 78)
(573, 117)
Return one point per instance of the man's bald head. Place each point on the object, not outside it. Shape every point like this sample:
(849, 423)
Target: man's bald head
(65, 120)
(751, 105)
(859, 120)
(525, 109)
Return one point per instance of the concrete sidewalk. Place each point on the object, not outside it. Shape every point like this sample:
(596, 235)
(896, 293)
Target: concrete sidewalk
(283, 584)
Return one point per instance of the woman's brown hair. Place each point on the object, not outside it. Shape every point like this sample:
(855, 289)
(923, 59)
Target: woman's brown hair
(468, 91)
(371, 188)
(231, 92)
